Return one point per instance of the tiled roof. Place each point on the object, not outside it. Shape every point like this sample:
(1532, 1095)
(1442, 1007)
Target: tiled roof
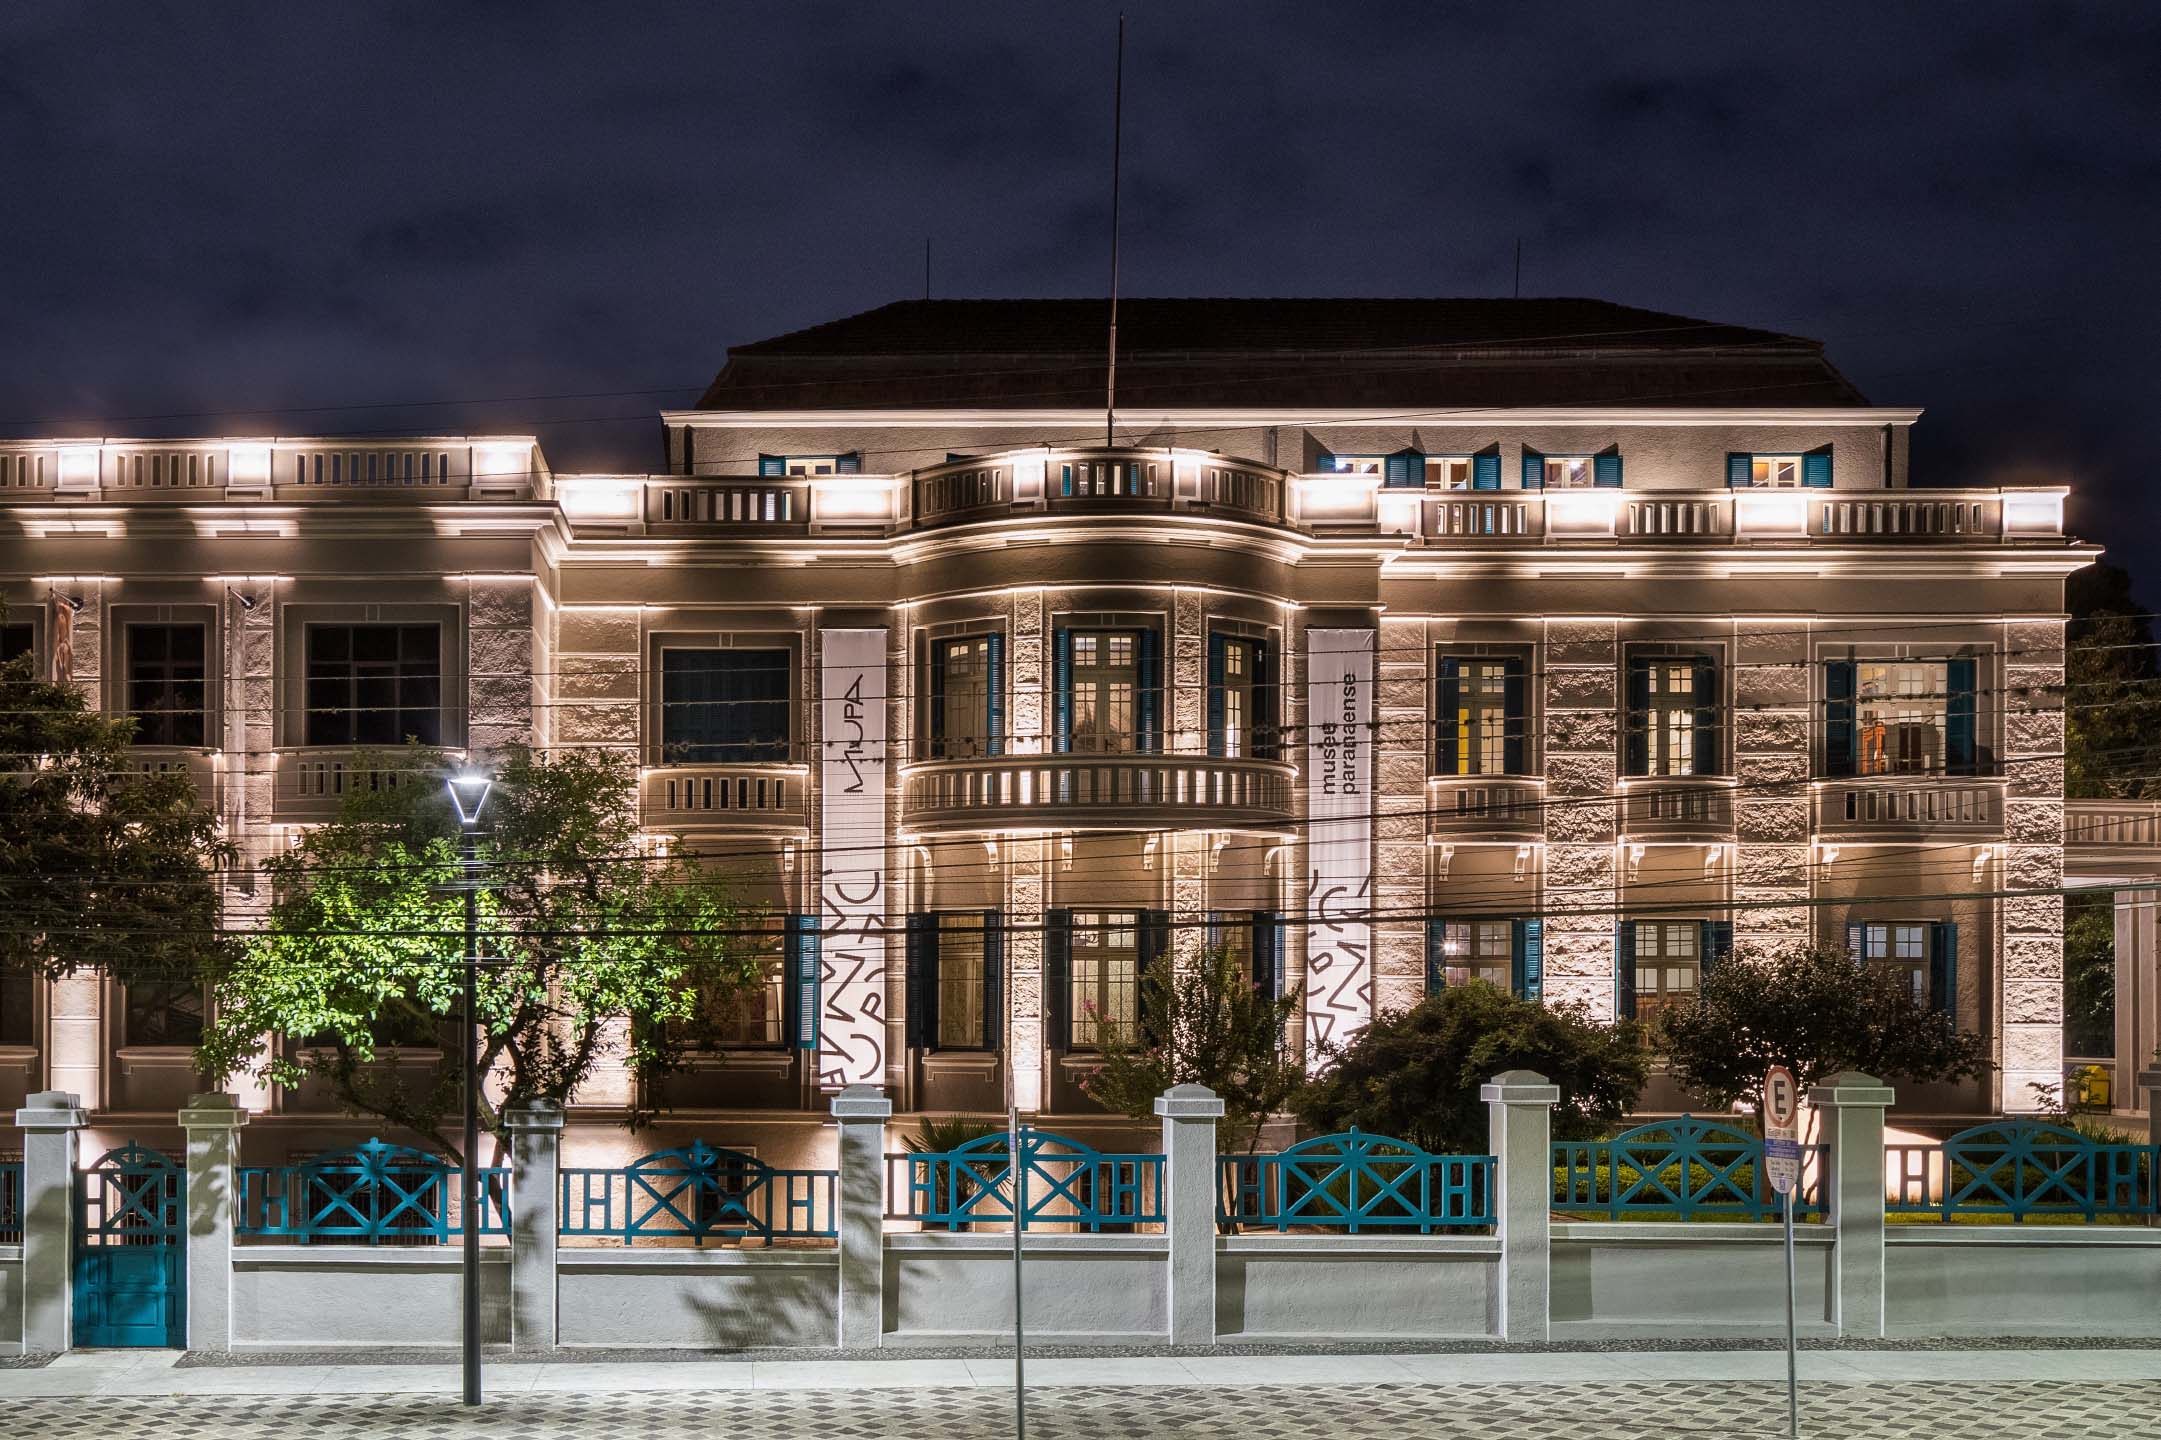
(1268, 353)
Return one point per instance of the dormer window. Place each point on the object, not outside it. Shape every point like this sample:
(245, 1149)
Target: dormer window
(808, 465)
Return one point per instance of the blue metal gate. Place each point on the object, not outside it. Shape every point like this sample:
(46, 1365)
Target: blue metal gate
(130, 1266)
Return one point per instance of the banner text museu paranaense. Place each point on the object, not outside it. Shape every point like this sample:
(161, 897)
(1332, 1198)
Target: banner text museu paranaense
(1339, 834)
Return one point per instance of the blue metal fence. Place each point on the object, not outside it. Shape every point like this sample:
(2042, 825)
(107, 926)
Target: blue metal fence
(1355, 1182)
(11, 1202)
(2022, 1168)
(1685, 1169)
(1062, 1183)
(699, 1193)
(377, 1194)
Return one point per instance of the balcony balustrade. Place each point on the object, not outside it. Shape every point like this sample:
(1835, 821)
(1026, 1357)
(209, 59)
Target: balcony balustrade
(1903, 805)
(312, 782)
(675, 798)
(1080, 792)
(1091, 481)
(1486, 807)
(1677, 809)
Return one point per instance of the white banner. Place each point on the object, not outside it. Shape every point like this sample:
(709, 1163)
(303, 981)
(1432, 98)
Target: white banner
(851, 875)
(1339, 834)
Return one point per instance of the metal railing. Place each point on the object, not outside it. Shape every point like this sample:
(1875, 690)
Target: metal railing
(1355, 1182)
(1684, 1169)
(2021, 1168)
(1062, 1183)
(699, 1193)
(375, 1194)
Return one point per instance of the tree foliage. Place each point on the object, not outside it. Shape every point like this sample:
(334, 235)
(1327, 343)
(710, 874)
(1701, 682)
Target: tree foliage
(1206, 1025)
(1415, 1074)
(2112, 691)
(591, 952)
(106, 867)
(2089, 973)
(1816, 1012)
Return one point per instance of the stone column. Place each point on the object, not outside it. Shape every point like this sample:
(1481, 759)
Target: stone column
(2149, 1084)
(1582, 777)
(1189, 1114)
(536, 1152)
(212, 1123)
(2031, 1009)
(1852, 1107)
(49, 1123)
(1519, 1116)
(861, 1112)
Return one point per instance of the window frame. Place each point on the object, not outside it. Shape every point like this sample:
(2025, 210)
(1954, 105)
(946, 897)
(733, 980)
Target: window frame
(1514, 734)
(926, 980)
(987, 723)
(312, 629)
(1148, 683)
(148, 721)
(135, 1006)
(1644, 703)
(1261, 693)
(789, 700)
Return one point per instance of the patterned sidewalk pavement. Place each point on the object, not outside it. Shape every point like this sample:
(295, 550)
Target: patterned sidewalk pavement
(1669, 1410)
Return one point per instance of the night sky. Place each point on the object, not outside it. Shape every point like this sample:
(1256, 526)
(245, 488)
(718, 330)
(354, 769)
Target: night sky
(301, 207)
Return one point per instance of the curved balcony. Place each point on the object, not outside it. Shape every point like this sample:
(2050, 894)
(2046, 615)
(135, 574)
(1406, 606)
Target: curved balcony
(1902, 806)
(1097, 792)
(1679, 809)
(1486, 807)
(1096, 480)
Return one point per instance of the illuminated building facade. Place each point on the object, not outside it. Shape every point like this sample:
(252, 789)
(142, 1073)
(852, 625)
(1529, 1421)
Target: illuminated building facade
(1391, 644)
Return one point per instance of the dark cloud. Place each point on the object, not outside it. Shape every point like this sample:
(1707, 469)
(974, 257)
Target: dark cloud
(216, 207)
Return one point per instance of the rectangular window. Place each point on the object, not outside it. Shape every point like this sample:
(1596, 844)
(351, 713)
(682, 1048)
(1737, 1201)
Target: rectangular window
(166, 684)
(961, 697)
(164, 1012)
(1670, 726)
(1105, 977)
(1106, 691)
(1477, 950)
(1667, 962)
(963, 972)
(374, 684)
(1481, 723)
(755, 1018)
(17, 638)
(1241, 700)
(1782, 471)
(1903, 946)
(724, 706)
(1902, 711)
(1448, 472)
(18, 1008)
(1353, 464)
(1567, 472)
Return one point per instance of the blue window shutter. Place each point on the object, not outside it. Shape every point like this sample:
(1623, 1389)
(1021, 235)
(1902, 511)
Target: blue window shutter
(848, 464)
(1856, 950)
(1943, 967)
(1446, 735)
(1217, 644)
(1705, 760)
(1268, 954)
(1404, 468)
(1061, 648)
(1057, 976)
(1436, 954)
(1638, 748)
(1148, 708)
(800, 960)
(922, 978)
(1838, 717)
(1960, 755)
(1155, 942)
(1534, 469)
(1740, 470)
(1533, 986)
(1486, 471)
(1714, 946)
(993, 978)
(994, 685)
(1625, 966)
(1266, 713)
(937, 699)
(1606, 470)
(1323, 463)
(1816, 469)
(1512, 715)
(772, 464)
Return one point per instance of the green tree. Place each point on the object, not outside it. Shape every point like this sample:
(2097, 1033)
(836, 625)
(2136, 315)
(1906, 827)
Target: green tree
(1816, 1012)
(1207, 1025)
(591, 951)
(2112, 691)
(1414, 1074)
(103, 867)
(2089, 973)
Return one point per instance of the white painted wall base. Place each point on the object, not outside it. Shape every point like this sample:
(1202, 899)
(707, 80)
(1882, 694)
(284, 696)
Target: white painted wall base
(697, 1299)
(301, 1296)
(1357, 1287)
(2023, 1280)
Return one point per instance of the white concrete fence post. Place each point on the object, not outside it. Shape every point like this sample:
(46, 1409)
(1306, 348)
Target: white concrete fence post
(1189, 1114)
(861, 1111)
(212, 1123)
(1852, 1106)
(2149, 1084)
(536, 1151)
(1519, 1119)
(49, 1122)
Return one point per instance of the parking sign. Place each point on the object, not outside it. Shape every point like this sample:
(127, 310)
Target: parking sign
(1781, 1129)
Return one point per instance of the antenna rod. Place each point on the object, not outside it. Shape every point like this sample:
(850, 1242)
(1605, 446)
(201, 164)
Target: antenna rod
(1118, 105)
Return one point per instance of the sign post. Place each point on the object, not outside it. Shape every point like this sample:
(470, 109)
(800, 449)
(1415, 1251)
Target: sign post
(1782, 1166)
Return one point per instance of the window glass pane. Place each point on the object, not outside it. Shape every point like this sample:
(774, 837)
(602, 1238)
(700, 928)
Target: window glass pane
(966, 715)
(161, 1012)
(1670, 727)
(18, 992)
(1478, 950)
(752, 1018)
(1106, 684)
(1900, 710)
(1569, 474)
(17, 638)
(1448, 472)
(166, 687)
(1240, 701)
(373, 684)
(1105, 976)
(722, 706)
(1666, 969)
(1481, 718)
(960, 981)
(1780, 470)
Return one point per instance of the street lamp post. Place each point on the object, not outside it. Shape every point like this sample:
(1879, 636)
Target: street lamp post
(468, 792)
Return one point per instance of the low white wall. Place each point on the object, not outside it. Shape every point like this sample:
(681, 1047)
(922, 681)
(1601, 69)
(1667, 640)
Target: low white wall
(1080, 1289)
(698, 1299)
(1345, 1287)
(1628, 1278)
(11, 1299)
(2022, 1280)
(300, 1296)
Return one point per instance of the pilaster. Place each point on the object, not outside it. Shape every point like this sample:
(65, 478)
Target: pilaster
(1189, 1114)
(213, 1124)
(1582, 776)
(536, 1135)
(861, 1112)
(2031, 1056)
